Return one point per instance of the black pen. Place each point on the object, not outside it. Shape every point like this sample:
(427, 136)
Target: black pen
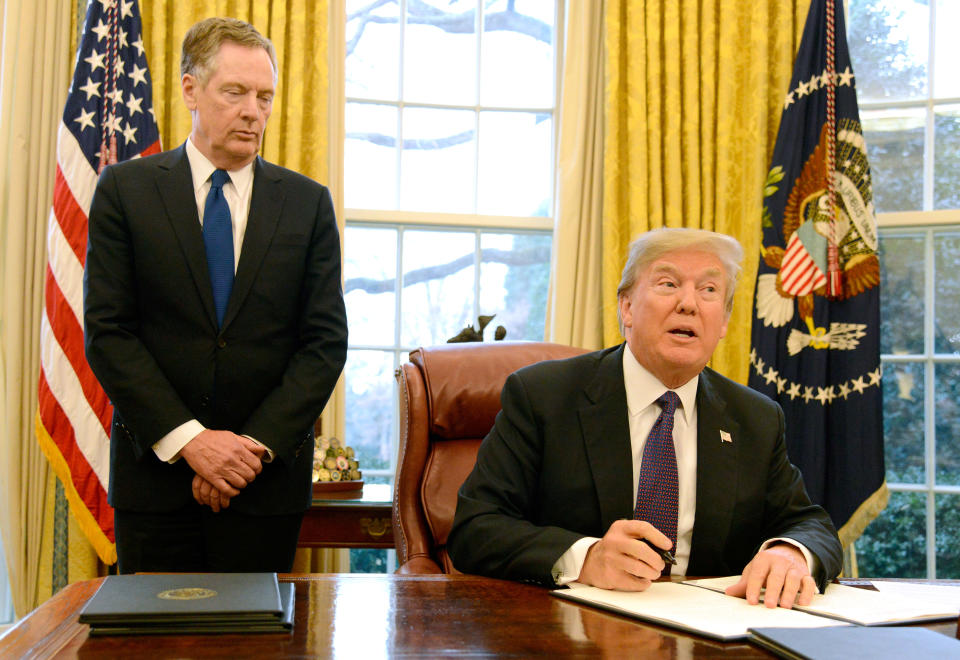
(665, 555)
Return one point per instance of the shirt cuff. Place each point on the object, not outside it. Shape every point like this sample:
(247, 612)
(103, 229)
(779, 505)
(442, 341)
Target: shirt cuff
(813, 564)
(567, 568)
(168, 447)
(270, 455)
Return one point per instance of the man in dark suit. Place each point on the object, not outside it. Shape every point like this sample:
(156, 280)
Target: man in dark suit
(559, 492)
(214, 320)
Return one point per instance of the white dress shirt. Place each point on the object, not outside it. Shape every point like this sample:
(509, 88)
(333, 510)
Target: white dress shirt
(237, 192)
(643, 389)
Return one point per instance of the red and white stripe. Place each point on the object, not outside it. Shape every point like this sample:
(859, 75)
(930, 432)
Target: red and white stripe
(74, 413)
(799, 274)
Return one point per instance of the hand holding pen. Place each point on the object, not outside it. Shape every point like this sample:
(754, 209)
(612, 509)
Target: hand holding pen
(618, 561)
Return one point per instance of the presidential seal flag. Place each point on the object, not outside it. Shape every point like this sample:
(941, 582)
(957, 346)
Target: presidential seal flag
(816, 323)
(108, 117)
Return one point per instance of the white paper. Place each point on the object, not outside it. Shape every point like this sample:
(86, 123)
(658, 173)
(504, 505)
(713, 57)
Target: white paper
(861, 606)
(697, 610)
(943, 596)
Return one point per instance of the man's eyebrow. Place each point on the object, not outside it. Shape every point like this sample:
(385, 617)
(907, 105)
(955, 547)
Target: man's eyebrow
(712, 272)
(670, 269)
(667, 268)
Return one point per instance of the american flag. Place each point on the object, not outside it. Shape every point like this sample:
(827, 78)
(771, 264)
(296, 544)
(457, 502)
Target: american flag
(108, 118)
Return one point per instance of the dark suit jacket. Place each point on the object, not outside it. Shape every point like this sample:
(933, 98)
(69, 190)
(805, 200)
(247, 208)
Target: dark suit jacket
(557, 467)
(152, 339)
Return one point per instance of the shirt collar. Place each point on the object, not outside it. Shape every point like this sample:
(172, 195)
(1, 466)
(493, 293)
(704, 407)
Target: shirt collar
(643, 388)
(201, 168)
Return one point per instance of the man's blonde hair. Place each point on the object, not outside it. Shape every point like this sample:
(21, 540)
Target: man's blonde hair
(202, 43)
(652, 245)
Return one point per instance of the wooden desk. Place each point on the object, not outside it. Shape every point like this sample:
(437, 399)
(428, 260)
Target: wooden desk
(350, 519)
(374, 616)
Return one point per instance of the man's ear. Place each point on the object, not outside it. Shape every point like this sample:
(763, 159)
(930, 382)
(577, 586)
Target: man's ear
(188, 87)
(626, 316)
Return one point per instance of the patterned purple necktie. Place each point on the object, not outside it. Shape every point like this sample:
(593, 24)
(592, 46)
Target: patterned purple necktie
(657, 490)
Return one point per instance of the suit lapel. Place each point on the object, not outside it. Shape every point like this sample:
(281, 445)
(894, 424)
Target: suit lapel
(606, 433)
(717, 473)
(266, 202)
(175, 187)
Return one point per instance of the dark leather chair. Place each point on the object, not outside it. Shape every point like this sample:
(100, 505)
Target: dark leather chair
(449, 397)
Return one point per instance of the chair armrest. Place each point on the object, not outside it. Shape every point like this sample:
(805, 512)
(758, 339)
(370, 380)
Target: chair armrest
(419, 565)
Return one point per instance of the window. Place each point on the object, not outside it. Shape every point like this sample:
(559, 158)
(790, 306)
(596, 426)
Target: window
(449, 147)
(904, 55)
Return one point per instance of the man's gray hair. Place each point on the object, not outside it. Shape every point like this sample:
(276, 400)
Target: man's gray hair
(202, 43)
(652, 245)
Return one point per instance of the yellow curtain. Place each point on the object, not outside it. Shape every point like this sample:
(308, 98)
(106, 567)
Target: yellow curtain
(694, 90)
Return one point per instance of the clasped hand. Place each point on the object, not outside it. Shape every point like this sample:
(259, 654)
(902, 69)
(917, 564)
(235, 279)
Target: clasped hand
(224, 463)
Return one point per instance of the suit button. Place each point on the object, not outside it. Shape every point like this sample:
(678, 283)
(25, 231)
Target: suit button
(204, 400)
(221, 343)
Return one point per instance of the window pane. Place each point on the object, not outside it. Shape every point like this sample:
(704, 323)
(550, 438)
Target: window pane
(370, 406)
(947, 50)
(903, 422)
(439, 151)
(947, 397)
(440, 52)
(514, 272)
(373, 40)
(946, 248)
(948, 536)
(370, 156)
(901, 294)
(895, 150)
(515, 163)
(368, 560)
(516, 65)
(888, 47)
(894, 544)
(369, 273)
(438, 285)
(946, 161)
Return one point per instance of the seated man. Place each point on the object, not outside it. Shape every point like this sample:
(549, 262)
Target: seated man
(583, 473)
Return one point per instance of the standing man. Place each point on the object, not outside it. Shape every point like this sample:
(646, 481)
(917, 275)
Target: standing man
(214, 320)
(592, 456)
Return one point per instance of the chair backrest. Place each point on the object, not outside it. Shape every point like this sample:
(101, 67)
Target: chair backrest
(449, 398)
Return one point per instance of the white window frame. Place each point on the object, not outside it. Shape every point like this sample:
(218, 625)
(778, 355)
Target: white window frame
(926, 223)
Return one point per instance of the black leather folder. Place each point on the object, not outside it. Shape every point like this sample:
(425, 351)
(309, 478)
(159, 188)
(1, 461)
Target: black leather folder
(190, 603)
(844, 642)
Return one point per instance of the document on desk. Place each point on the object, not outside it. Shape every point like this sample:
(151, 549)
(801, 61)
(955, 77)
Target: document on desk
(854, 605)
(688, 608)
(945, 596)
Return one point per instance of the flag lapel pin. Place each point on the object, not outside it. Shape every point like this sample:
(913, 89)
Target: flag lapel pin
(725, 437)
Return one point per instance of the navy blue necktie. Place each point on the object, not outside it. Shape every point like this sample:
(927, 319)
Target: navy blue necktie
(657, 491)
(218, 240)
